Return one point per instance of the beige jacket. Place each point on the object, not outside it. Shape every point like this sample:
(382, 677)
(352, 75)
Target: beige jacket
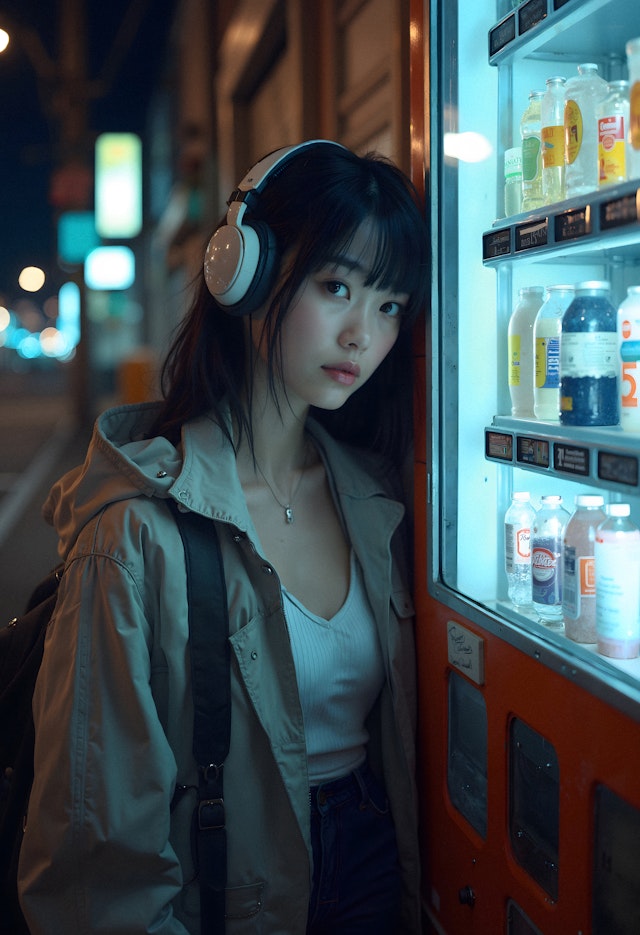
(102, 853)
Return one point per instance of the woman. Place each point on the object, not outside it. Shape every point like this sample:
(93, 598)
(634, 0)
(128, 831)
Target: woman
(286, 413)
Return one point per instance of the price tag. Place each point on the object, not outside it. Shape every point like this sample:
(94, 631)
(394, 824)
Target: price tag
(496, 243)
(498, 445)
(619, 469)
(571, 460)
(572, 224)
(532, 451)
(531, 14)
(620, 211)
(502, 34)
(532, 234)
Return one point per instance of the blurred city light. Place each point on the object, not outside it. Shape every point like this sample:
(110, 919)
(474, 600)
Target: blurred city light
(110, 268)
(4, 40)
(77, 236)
(118, 185)
(31, 279)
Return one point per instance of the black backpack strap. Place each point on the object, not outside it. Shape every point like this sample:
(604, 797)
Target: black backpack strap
(210, 675)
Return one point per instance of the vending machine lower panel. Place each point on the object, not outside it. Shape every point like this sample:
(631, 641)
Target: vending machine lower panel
(529, 791)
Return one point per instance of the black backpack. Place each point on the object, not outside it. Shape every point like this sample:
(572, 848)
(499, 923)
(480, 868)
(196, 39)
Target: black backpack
(21, 649)
(21, 644)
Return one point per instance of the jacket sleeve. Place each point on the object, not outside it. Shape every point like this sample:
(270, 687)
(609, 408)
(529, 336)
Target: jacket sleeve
(96, 856)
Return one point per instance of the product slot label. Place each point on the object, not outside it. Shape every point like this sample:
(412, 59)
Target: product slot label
(572, 131)
(548, 363)
(552, 146)
(589, 354)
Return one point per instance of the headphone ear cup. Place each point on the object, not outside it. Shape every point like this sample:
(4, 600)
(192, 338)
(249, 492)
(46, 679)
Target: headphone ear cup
(239, 266)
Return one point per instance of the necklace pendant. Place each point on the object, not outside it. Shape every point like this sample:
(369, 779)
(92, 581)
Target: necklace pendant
(288, 515)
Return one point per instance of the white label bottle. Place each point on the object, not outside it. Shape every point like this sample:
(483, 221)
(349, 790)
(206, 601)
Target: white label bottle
(617, 553)
(520, 349)
(546, 339)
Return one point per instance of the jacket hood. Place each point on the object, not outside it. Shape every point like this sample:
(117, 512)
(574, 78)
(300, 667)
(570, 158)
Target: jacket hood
(120, 463)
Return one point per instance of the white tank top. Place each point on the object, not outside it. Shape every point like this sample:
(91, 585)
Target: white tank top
(340, 673)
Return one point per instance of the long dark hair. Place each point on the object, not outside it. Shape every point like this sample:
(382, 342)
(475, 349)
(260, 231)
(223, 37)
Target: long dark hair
(314, 207)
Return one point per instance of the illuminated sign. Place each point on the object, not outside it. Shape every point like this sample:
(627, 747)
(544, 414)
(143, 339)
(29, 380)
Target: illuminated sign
(118, 195)
(110, 268)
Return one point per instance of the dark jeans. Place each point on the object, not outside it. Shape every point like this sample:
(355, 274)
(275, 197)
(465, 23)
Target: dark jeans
(356, 878)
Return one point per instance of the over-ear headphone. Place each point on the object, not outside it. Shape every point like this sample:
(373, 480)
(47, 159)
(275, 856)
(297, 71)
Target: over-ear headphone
(241, 260)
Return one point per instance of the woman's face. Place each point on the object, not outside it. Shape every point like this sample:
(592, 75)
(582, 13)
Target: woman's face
(337, 332)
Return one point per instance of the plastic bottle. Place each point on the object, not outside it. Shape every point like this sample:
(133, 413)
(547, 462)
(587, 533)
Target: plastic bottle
(512, 181)
(520, 345)
(530, 129)
(546, 559)
(546, 341)
(552, 136)
(633, 150)
(629, 351)
(617, 552)
(613, 126)
(517, 548)
(583, 96)
(589, 358)
(578, 569)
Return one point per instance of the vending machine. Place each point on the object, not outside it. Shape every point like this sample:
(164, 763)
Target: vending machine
(529, 697)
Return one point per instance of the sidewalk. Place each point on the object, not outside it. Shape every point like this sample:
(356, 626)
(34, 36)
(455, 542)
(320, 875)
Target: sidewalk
(39, 441)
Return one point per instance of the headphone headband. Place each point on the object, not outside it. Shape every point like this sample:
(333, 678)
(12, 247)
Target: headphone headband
(240, 259)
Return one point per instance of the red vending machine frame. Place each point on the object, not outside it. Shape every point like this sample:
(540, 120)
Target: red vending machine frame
(477, 883)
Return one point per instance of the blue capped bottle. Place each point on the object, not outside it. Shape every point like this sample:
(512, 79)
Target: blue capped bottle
(589, 358)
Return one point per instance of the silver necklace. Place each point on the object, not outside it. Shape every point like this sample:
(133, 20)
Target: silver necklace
(287, 507)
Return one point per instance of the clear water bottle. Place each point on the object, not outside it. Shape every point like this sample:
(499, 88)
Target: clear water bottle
(617, 554)
(530, 128)
(517, 548)
(512, 181)
(578, 569)
(552, 137)
(546, 559)
(520, 348)
(613, 126)
(583, 96)
(546, 338)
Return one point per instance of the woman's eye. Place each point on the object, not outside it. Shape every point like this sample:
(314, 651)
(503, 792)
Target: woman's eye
(335, 287)
(392, 309)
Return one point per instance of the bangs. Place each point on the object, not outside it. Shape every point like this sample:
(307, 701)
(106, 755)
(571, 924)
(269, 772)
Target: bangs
(393, 258)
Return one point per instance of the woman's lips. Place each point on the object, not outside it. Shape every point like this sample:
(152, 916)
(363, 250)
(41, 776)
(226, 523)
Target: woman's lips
(346, 373)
